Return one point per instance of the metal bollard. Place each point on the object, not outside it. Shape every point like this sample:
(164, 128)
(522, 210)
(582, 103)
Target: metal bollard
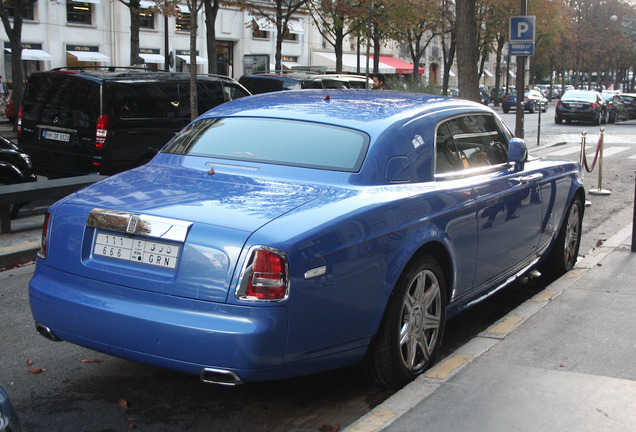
(600, 190)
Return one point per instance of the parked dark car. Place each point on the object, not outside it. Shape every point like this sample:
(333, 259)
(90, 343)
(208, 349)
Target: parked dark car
(533, 101)
(81, 121)
(580, 105)
(336, 81)
(270, 82)
(266, 243)
(485, 97)
(629, 99)
(9, 421)
(615, 109)
(15, 167)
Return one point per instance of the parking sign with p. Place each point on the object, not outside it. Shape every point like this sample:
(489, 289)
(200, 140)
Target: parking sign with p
(522, 28)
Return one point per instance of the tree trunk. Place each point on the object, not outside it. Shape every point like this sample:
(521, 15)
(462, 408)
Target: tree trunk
(467, 50)
(211, 11)
(133, 8)
(194, 111)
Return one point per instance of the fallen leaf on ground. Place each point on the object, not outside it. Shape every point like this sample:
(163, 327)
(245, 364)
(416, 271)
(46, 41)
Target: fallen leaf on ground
(29, 362)
(122, 403)
(36, 371)
(92, 361)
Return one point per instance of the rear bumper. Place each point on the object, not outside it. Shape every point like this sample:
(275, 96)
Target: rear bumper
(576, 115)
(167, 331)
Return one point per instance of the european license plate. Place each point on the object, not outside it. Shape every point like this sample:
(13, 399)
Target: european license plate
(150, 252)
(56, 136)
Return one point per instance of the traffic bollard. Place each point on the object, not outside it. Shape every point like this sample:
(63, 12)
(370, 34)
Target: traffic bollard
(600, 190)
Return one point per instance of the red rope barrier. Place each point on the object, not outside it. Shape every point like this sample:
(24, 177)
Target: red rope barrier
(598, 148)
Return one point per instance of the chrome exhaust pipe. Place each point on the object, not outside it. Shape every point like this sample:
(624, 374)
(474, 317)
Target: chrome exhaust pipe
(46, 332)
(220, 377)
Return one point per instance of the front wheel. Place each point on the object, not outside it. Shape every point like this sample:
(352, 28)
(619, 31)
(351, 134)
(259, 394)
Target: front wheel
(566, 247)
(411, 330)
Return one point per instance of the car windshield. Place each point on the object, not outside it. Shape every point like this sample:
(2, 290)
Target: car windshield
(579, 95)
(273, 141)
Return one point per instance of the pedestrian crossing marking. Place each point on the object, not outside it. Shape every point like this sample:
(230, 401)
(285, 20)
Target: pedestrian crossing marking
(566, 151)
(613, 150)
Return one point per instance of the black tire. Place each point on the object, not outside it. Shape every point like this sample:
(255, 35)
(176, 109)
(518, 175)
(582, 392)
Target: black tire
(505, 110)
(566, 247)
(558, 120)
(531, 109)
(411, 331)
(545, 108)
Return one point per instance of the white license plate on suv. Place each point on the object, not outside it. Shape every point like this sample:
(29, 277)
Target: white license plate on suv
(56, 136)
(134, 249)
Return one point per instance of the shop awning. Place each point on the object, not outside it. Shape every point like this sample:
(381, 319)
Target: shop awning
(186, 58)
(512, 74)
(451, 73)
(401, 67)
(33, 54)
(263, 23)
(295, 26)
(291, 65)
(153, 58)
(145, 4)
(87, 1)
(487, 73)
(89, 56)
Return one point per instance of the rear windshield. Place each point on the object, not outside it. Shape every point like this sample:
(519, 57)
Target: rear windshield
(579, 95)
(273, 141)
(65, 100)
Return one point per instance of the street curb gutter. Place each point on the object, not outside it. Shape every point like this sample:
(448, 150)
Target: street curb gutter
(19, 254)
(414, 393)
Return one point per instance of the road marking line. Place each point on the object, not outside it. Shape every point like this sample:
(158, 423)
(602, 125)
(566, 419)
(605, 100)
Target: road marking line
(445, 368)
(613, 150)
(19, 247)
(506, 325)
(372, 422)
(544, 295)
(566, 151)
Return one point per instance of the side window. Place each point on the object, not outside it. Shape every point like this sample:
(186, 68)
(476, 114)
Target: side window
(468, 142)
(145, 101)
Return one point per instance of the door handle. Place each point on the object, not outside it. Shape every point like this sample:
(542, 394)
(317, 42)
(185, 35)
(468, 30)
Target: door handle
(531, 178)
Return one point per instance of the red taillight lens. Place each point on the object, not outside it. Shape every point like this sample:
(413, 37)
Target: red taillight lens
(102, 131)
(526, 99)
(559, 104)
(45, 236)
(593, 106)
(267, 276)
(19, 125)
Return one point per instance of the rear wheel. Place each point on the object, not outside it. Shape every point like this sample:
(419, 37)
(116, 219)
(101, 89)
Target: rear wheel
(411, 331)
(566, 248)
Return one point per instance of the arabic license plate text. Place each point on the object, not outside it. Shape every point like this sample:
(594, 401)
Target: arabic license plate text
(137, 250)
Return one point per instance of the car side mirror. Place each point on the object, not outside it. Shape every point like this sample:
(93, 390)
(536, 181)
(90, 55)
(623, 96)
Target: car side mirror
(517, 153)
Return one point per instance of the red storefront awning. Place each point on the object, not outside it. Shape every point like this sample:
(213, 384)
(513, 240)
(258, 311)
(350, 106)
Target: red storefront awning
(401, 67)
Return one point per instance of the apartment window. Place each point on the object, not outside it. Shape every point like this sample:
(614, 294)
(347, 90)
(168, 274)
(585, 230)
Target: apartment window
(183, 21)
(79, 13)
(146, 19)
(288, 36)
(27, 12)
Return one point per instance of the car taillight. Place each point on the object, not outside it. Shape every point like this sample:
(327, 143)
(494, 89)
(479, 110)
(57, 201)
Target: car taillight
(102, 131)
(593, 106)
(45, 236)
(266, 277)
(526, 99)
(559, 104)
(19, 125)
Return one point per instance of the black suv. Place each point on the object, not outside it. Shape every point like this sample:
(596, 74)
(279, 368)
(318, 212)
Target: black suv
(107, 120)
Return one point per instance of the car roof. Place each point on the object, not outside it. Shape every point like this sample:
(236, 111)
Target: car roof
(123, 74)
(372, 111)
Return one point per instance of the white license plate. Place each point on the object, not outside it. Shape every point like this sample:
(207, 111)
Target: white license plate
(137, 250)
(56, 136)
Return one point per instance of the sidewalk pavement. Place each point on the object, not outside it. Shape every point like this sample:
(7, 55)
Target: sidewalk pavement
(562, 361)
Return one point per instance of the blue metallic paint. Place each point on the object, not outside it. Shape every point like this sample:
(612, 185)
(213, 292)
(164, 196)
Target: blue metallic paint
(361, 227)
